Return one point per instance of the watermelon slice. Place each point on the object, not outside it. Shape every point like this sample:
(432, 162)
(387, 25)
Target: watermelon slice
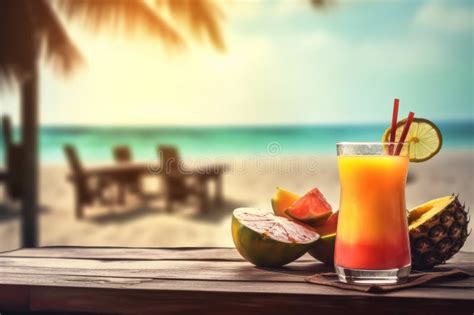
(312, 208)
(328, 227)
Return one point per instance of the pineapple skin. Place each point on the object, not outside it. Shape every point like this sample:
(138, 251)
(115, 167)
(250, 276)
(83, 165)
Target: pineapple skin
(440, 237)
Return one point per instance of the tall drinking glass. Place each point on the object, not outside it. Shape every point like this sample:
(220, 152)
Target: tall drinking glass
(372, 243)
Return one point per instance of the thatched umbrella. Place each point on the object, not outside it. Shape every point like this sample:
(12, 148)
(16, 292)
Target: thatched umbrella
(30, 32)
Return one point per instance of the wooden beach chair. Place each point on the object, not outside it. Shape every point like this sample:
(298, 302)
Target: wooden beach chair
(122, 154)
(180, 184)
(85, 193)
(132, 181)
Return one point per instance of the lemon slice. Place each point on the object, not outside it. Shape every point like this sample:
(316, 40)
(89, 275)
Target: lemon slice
(424, 137)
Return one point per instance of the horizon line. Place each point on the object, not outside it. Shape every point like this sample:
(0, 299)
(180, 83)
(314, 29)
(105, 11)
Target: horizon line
(261, 125)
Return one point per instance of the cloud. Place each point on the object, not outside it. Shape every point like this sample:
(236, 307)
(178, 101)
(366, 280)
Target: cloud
(321, 41)
(446, 16)
(408, 53)
(242, 11)
(290, 7)
(239, 10)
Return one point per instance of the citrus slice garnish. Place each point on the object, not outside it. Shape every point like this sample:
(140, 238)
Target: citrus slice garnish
(424, 137)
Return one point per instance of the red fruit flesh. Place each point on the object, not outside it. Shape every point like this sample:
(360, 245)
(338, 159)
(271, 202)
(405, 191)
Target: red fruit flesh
(312, 208)
(328, 227)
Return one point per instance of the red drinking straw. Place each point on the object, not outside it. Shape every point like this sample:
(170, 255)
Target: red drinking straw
(393, 130)
(410, 117)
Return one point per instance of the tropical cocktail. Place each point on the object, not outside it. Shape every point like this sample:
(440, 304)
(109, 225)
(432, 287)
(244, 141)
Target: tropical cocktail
(368, 239)
(372, 244)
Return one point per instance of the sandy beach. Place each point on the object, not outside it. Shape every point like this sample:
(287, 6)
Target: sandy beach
(251, 182)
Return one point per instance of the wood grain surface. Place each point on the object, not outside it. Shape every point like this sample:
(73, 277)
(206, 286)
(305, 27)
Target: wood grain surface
(106, 280)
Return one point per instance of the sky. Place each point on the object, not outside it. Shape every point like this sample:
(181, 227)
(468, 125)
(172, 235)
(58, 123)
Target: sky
(286, 63)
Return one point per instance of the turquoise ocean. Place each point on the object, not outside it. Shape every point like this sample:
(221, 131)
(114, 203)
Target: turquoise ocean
(95, 143)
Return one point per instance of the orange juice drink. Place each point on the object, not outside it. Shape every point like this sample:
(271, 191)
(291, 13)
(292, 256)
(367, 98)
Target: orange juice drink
(372, 243)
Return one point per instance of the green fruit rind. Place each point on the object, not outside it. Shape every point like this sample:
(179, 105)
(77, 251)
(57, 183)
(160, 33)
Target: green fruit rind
(263, 251)
(323, 249)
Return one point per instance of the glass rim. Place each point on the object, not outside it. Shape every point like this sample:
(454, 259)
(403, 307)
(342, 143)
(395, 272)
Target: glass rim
(370, 143)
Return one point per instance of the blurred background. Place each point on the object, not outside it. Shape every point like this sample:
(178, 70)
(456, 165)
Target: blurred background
(254, 92)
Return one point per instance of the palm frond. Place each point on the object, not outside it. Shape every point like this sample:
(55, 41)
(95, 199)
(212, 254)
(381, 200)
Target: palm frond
(15, 41)
(57, 47)
(126, 16)
(202, 17)
(39, 34)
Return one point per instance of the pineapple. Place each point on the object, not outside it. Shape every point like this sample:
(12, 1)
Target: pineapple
(438, 230)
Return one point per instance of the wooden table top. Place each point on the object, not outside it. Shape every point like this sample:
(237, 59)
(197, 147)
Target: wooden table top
(205, 280)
